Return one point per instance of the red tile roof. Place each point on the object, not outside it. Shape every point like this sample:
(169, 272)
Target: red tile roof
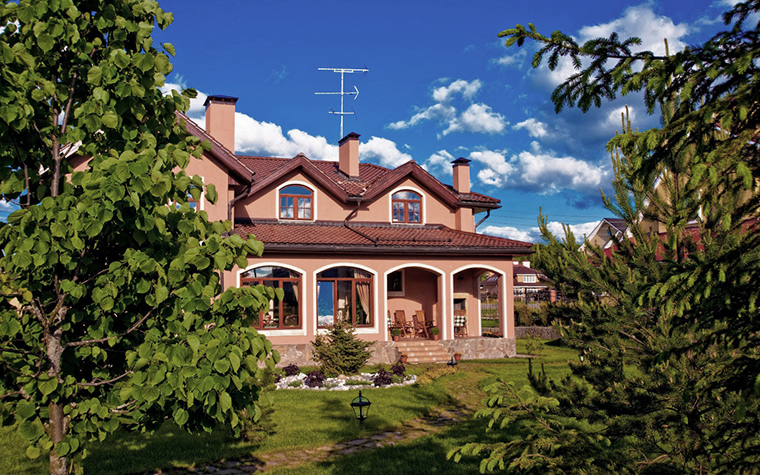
(373, 180)
(334, 236)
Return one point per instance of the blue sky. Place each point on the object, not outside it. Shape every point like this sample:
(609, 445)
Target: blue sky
(440, 85)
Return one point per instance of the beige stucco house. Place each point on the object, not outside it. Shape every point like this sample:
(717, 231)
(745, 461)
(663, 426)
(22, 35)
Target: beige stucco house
(356, 241)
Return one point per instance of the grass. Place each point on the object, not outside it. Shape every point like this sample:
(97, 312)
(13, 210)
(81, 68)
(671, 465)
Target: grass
(298, 420)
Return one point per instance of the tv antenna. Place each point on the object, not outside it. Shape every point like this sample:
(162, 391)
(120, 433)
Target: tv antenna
(355, 92)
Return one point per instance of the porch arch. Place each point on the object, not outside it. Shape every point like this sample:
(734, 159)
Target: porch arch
(414, 300)
(504, 298)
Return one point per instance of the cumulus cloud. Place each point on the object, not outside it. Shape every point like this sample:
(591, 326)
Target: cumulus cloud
(476, 117)
(639, 21)
(439, 164)
(511, 60)
(383, 150)
(256, 137)
(497, 170)
(533, 234)
(534, 127)
(7, 206)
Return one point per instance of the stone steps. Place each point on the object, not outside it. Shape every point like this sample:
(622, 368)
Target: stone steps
(423, 351)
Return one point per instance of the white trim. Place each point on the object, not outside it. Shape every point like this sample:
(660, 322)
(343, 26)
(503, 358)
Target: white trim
(441, 298)
(295, 332)
(423, 205)
(305, 184)
(502, 301)
(373, 330)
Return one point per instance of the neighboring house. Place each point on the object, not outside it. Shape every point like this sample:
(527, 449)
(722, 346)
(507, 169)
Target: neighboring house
(527, 283)
(353, 241)
(605, 231)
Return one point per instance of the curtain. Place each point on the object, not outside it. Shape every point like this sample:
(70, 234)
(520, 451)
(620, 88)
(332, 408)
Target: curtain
(362, 291)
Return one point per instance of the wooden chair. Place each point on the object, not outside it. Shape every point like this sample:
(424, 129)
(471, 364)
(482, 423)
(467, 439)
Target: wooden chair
(406, 327)
(429, 323)
(419, 326)
(460, 323)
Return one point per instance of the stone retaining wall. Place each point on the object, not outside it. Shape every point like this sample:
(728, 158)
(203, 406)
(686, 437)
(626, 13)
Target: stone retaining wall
(544, 333)
(481, 348)
(383, 352)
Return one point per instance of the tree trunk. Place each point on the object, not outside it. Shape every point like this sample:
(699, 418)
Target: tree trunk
(56, 420)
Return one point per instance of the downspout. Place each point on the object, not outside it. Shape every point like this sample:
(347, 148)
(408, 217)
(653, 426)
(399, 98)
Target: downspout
(234, 200)
(351, 215)
(488, 213)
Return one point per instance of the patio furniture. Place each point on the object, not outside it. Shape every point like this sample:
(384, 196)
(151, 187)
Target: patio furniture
(406, 327)
(460, 323)
(428, 319)
(419, 326)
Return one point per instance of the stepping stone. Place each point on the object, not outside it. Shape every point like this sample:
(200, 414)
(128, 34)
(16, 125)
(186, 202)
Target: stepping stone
(357, 442)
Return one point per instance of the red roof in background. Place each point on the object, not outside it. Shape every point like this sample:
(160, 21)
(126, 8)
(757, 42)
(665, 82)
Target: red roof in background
(372, 181)
(334, 236)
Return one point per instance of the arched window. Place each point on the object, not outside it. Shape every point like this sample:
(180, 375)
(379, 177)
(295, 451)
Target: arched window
(295, 202)
(344, 294)
(282, 314)
(407, 207)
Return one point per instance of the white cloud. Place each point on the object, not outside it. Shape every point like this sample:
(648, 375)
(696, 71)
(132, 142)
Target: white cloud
(533, 234)
(197, 110)
(551, 174)
(439, 164)
(7, 206)
(477, 117)
(639, 21)
(497, 171)
(385, 151)
(511, 60)
(534, 127)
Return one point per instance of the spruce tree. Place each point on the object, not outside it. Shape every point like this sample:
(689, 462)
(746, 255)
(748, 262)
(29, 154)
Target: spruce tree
(667, 323)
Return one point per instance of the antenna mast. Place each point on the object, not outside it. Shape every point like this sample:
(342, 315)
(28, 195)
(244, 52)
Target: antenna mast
(342, 92)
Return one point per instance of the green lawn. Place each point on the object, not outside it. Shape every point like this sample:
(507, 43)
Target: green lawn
(297, 420)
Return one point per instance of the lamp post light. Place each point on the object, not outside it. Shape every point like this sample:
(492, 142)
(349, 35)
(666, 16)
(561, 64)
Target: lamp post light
(581, 357)
(360, 405)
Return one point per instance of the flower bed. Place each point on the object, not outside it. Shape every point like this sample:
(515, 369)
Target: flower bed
(341, 383)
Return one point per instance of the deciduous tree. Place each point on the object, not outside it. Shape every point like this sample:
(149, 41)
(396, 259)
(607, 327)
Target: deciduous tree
(111, 310)
(667, 323)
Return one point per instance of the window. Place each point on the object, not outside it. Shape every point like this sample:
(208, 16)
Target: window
(295, 202)
(406, 207)
(395, 284)
(282, 314)
(344, 294)
(529, 279)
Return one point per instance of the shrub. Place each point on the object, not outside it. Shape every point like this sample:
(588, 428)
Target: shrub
(340, 352)
(315, 379)
(524, 314)
(295, 384)
(534, 345)
(291, 370)
(383, 377)
(434, 373)
(358, 382)
(435, 330)
(398, 369)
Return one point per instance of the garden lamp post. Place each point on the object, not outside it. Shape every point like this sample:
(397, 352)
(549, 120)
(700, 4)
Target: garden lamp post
(581, 357)
(360, 405)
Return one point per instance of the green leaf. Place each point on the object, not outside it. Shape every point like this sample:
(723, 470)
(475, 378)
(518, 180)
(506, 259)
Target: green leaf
(225, 401)
(33, 452)
(222, 366)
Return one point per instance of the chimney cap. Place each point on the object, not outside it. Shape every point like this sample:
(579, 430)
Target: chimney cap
(220, 98)
(351, 135)
(461, 161)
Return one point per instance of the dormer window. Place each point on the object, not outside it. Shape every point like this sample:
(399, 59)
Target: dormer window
(295, 202)
(407, 206)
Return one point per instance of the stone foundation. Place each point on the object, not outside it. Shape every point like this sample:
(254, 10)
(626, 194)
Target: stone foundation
(481, 348)
(544, 333)
(383, 352)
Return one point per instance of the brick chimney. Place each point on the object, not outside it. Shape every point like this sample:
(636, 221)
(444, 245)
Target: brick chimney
(348, 155)
(220, 120)
(462, 175)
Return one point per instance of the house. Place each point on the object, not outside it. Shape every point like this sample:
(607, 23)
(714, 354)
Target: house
(606, 231)
(354, 241)
(527, 283)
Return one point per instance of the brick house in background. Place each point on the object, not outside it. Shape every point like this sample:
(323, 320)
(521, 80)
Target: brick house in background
(355, 241)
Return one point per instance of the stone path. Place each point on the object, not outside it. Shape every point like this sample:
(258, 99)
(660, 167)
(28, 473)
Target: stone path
(409, 431)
